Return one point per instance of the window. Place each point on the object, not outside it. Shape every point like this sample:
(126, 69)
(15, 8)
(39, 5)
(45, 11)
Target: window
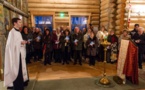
(79, 21)
(44, 21)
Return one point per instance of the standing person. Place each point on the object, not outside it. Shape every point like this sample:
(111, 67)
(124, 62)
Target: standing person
(62, 28)
(25, 34)
(133, 32)
(101, 35)
(30, 37)
(112, 50)
(37, 43)
(85, 38)
(84, 31)
(66, 41)
(84, 49)
(47, 46)
(140, 41)
(72, 50)
(57, 45)
(92, 45)
(125, 36)
(15, 71)
(77, 40)
(44, 30)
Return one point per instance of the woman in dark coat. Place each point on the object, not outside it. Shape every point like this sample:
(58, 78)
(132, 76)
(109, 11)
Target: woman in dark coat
(37, 43)
(56, 37)
(92, 44)
(47, 47)
(113, 48)
(25, 36)
(66, 42)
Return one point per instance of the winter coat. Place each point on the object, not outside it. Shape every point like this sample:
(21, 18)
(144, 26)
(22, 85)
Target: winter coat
(37, 41)
(79, 38)
(47, 43)
(141, 44)
(66, 44)
(55, 43)
(92, 49)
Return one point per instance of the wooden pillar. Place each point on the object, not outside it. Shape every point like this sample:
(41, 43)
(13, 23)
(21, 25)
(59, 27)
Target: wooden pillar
(120, 15)
(95, 16)
(112, 11)
(104, 16)
(107, 14)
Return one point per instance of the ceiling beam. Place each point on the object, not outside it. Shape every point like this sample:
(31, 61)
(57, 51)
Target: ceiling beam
(44, 5)
(79, 2)
(65, 10)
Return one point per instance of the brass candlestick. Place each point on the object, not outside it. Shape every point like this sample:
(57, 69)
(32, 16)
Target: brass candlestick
(104, 80)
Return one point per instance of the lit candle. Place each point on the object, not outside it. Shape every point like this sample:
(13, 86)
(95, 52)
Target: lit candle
(106, 36)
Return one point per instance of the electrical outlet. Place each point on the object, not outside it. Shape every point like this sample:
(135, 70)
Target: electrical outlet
(1, 71)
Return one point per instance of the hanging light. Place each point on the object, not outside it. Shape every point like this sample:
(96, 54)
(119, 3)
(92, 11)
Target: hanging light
(61, 14)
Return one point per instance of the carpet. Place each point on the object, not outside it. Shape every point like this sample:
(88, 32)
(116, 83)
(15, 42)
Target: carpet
(84, 84)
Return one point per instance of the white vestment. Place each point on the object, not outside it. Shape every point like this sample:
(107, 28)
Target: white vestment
(12, 58)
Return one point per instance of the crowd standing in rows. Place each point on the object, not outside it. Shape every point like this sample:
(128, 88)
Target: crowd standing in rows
(63, 45)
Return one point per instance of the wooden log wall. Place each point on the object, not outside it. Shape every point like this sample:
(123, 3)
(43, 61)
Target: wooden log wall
(137, 14)
(120, 16)
(90, 8)
(107, 14)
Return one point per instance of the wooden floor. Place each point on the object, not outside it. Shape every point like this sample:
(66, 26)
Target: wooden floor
(58, 71)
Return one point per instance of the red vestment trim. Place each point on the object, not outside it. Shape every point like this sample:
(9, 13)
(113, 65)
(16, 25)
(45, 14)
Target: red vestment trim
(131, 63)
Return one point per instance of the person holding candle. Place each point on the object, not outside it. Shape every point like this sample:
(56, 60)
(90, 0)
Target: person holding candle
(101, 36)
(92, 45)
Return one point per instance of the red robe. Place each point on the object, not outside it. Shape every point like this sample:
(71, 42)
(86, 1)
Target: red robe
(131, 64)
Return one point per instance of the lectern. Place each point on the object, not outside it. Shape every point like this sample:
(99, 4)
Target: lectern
(127, 66)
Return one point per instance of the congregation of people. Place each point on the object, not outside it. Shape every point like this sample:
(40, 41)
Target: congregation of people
(63, 45)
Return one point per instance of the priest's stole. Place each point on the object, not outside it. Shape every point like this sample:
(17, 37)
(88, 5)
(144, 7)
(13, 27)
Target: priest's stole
(122, 57)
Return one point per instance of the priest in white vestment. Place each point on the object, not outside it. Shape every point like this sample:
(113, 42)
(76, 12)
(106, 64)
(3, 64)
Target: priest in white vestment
(15, 70)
